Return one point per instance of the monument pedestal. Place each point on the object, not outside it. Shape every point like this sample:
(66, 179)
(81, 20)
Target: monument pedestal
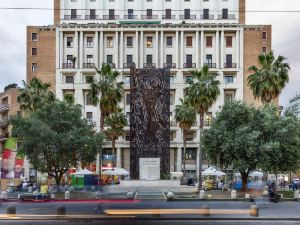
(149, 169)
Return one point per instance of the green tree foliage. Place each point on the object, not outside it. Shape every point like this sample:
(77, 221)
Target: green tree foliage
(55, 138)
(35, 95)
(270, 78)
(13, 85)
(247, 139)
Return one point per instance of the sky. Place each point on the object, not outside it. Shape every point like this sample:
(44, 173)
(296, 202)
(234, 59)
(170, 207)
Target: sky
(286, 36)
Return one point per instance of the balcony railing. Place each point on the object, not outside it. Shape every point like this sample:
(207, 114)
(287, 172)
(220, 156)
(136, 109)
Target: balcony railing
(211, 65)
(189, 65)
(128, 65)
(229, 65)
(92, 17)
(68, 65)
(149, 17)
(89, 65)
(72, 17)
(111, 17)
(130, 17)
(209, 17)
(112, 65)
(4, 107)
(229, 17)
(91, 122)
(3, 123)
(170, 65)
(149, 65)
(168, 17)
(188, 17)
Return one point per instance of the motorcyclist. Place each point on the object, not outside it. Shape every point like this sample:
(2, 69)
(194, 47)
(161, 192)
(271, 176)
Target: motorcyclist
(274, 197)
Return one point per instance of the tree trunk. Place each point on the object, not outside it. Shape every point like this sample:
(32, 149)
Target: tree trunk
(184, 153)
(113, 146)
(244, 180)
(100, 152)
(200, 152)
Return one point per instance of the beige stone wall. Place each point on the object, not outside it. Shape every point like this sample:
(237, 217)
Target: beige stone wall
(242, 13)
(11, 94)
(46, 55)
(56, 11)
(253, 44)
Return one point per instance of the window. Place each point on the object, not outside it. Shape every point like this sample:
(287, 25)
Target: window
(70, 42)
(109, 59)
(208, 119)
(89, 79)
(149, 13)
(92, 14)
(70, 59)
(206, 14)
(228, 41)
(129, 41)
(127, 99)
(109, 41)
(90, 59)
(89, 116)
(189, 59)
(189, 41)
(229, 60)
(169, 59)
(171, 99)
(190, 154)
(228, 79)
(34, 37)
(264, 35)
(73, 14)
(88, 99)
(149, 59)
(264, 49)
(224, 14)
(169, 41)
(70, 79)
(89, 42)
(187, 14)
(130, 14)
(229, 96)
(34, 51)
(209, 59)
(111, 14)
(209, 43)
(168, 14)
(33, 67)
(129, 59)
(149, 42)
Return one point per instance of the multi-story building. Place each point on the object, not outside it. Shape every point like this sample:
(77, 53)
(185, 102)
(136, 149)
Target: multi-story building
(294, 106)
(179, 34)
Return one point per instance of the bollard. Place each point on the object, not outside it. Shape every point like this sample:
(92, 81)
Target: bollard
(254, 211)
(202, 194)
(61, 210)
(4, 195)
(206, 210)
(30, 189)
(11, 211)
(233, 194)
(170, 196)
(67, 195)
(296, 195)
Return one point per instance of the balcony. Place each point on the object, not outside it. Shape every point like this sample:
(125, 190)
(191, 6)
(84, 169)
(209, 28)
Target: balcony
(92, 17)
(149, 65)
(211, 65)
(207, 17)
(111, 17)
(3, 123)
(229, 17)
(68, 65)
(149, 17)
(189, 65)
(188, 17)
(230, 65)
(112, 65)
(128, 65)
(168, 17)
(91, 122)
(88, 65)
(72, 17)
(130, 17)
(4, 107)
(170, 65)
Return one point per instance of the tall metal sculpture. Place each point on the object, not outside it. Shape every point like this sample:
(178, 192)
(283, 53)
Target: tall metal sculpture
(150, 118)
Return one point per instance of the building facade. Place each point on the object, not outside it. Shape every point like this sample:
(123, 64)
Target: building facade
(294, 106)
(179, 34)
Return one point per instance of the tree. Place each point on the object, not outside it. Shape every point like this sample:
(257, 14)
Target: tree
(186, 116)
(35, 95)
(270, 78)
(13, 85)
(247, 139)
(202, 92)
(116, 122)
(55, 138)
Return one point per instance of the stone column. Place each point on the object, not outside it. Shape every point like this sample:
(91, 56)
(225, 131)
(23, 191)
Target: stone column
(118, 164)
(157, 49)
(222, 49)
(101, 47)
(142, 50)
(161, 49)
(218, 49)
(197, 49)
(237, 48)
(136, 61)
(202, 49)
(179, 160)
(197, 162)
(61, 49)
(81, 48)
(121, 50)
(182, 48)
(116, 49)
(96, 49)
(177, 49)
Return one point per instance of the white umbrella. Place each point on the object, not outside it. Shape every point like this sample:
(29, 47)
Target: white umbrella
(213, 172)
(116, 172)
(256, 174)
(83, 172)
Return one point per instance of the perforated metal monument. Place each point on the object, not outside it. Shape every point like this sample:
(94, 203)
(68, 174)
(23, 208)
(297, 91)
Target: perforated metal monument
(150, 123)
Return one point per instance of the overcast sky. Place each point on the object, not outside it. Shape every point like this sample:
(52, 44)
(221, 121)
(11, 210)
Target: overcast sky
(286, 36)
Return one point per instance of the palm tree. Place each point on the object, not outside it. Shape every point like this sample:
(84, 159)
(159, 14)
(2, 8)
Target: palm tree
(34, 95)
(116, 122)
(185, 114)
(270, 78)
(202, 92)
(106, 92)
